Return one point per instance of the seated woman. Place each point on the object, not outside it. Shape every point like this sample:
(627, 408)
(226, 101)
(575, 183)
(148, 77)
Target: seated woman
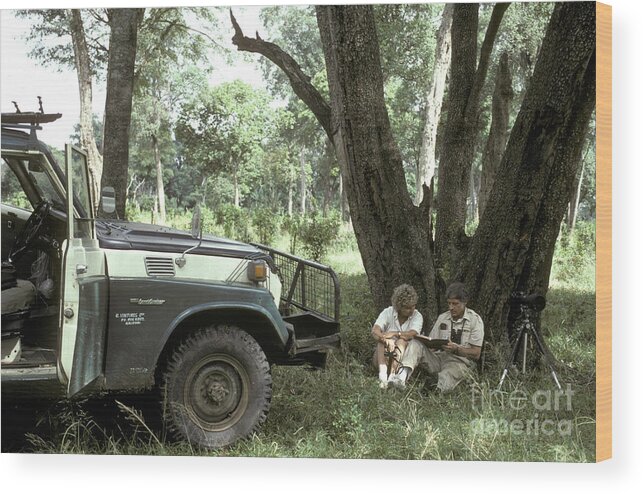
(395, 326)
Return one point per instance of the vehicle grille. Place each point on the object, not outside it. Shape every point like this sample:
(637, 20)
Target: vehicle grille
(159, 266)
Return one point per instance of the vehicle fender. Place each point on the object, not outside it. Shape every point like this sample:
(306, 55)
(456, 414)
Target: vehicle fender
(279, 331)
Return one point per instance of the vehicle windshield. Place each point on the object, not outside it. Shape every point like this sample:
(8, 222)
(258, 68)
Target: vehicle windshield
(43, 183)
(80, 180)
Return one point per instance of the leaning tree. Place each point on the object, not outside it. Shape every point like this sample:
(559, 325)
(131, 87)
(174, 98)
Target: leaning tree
(513, 246)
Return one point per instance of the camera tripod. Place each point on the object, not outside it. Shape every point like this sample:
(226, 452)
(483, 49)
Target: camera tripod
(532, 303)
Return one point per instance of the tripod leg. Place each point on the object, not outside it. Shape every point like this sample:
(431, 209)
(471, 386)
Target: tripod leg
(541, 348)
(525, 341)
(514, 352)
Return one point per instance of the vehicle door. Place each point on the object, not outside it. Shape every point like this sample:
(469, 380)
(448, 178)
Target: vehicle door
(85, 288)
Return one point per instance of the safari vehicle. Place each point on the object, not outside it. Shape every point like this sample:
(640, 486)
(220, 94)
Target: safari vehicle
(93, 305)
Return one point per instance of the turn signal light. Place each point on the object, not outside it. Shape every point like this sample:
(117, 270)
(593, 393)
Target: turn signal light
(257, 271)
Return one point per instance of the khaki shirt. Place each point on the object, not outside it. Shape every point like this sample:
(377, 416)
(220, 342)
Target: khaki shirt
(388, 321)
(470, 323)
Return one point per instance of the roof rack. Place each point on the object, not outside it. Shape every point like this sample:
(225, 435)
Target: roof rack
(27, 120)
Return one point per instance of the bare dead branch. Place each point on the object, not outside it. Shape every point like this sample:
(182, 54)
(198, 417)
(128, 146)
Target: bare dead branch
(299, 81)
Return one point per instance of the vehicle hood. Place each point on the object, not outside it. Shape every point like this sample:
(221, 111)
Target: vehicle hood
(125, 235)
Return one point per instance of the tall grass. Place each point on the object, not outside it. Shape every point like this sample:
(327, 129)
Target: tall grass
(341, 412)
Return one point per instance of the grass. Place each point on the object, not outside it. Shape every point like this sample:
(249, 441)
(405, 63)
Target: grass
(341, 412)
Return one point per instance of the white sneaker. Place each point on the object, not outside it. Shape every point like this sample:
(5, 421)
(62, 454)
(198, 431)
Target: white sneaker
(383, 384)
(396, 381)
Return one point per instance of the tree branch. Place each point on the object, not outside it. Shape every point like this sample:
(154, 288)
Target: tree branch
(485, 54)
(299, 81)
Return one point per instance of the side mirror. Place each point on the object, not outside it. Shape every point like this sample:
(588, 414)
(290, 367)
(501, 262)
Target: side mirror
(197, 229)
(197, 223)
(108, 200)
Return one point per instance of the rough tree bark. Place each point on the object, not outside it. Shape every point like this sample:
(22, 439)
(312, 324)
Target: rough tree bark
(512, 249)
(499, 132)
(84, 73)
(160, 188)
(118, 104)
(433, 102)
(461, 129)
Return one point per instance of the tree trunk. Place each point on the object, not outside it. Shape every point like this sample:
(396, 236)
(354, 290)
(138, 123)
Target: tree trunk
(84, 73)
(160, 189)
(118, 104)
(575, 201)
(512, 249)
(343, 202)
(433, 103)
(291, 187)
(474, 187)
(391, 233)
(461, 130)
(235, 181)
(302, 183)
(499, 133)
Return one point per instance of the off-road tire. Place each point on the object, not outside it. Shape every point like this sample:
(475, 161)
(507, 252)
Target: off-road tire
(217, 387)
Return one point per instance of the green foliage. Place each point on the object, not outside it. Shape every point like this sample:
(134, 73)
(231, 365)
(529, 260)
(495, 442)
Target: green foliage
(576, 256)
(50, 37)
(235, 222)
(294, 29)
(318, 234)
(222, 130)
(11, 190)
(293, 226)
(267, 224)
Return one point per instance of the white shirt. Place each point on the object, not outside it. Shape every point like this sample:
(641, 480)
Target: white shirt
(388, 321)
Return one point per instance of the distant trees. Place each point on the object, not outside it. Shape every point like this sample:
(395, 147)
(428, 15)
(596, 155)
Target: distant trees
(169, 48)
(86, 53)
(221, 131)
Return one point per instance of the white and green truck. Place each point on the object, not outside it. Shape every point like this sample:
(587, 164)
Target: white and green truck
(98, 305)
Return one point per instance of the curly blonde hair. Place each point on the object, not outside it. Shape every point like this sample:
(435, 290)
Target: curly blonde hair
(404, 296)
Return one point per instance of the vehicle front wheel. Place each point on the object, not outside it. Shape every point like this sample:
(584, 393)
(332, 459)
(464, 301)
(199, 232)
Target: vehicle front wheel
(217, 387)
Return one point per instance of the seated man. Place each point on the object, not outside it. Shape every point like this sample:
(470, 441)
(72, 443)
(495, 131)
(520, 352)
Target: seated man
(464, 330)
(394, 327)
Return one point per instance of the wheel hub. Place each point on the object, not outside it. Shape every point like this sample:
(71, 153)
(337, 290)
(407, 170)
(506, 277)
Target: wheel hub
(216, 392)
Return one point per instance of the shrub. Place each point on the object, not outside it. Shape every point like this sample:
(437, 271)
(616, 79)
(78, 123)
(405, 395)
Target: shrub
(267, 223)
(318, 233)
(575, 256)
(235, 222)
(293, 226)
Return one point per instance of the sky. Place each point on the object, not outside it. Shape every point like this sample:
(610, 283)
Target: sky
(23, 79)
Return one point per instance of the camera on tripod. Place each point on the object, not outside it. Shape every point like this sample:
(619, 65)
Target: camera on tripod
(525, 327)
(534, 301)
